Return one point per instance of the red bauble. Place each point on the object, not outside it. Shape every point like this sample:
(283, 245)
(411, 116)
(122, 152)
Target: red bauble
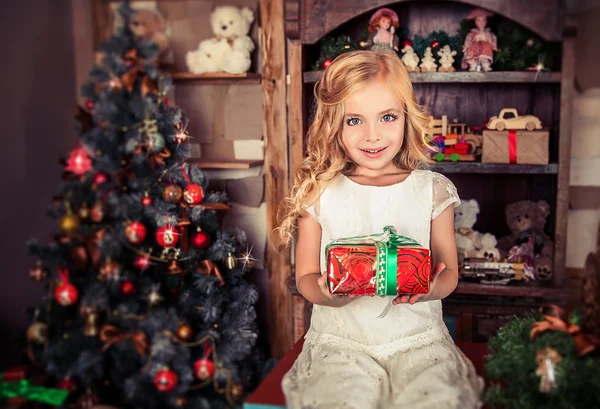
(326, 63)
(200, 240)
(146, 200)
(99, 178)
(167, 101)
(193, 194)
(204, 369)
(79, 162)
(89, 105)
(165, 380)
(434, 44)
(135, 232)
(66, 294)
(127, 288)
(406, 42)
(66, 384)
(142, 262)
(167, 236)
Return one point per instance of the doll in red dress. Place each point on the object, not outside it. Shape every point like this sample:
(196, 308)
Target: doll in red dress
(480, 43)
(382, 30)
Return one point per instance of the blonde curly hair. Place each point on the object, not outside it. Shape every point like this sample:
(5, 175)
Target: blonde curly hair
(326, 156)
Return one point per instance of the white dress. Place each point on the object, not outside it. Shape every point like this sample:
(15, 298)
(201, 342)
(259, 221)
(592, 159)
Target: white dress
(407, 359)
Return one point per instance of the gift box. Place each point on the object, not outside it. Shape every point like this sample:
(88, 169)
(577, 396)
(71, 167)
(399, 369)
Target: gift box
(380, 264)
(515, 146)
(17, 391)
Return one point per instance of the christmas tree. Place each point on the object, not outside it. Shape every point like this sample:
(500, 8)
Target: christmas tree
(147, 305)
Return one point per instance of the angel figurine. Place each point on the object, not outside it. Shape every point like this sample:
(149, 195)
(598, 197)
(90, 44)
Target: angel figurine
(382, 30)
(480, 43)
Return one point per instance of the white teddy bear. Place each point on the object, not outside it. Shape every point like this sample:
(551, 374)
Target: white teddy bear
(229, 51)
(471, 243)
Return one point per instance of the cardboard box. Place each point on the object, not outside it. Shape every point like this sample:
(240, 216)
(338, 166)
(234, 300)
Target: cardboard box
(515, 146)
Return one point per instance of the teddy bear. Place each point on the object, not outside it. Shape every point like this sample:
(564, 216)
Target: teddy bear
(150, 25)
(528, 242)
(471, 243)
(229, 50)
(446, 59)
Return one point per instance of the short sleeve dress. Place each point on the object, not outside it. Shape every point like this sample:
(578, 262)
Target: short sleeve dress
(406, 359)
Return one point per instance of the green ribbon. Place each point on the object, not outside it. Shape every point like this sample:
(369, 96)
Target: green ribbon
(386, 244)
(24, 389)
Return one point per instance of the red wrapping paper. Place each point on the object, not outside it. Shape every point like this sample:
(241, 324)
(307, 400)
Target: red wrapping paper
(351, 270)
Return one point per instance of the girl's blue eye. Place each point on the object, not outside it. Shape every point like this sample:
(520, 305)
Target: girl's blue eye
(388, 117)
(353, 121)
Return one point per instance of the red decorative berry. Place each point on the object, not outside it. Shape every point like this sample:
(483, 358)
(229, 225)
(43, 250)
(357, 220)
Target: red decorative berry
(99, 178)
(165, 380)
(135, 232)
(200, 240)
(435, 44)
(167, 236)
(146, 200)
(193, 194)
(66, 384)
(204, 369)
(66, 294)
(127, 288)
(89, 105)
(142, 262)
(326, 63)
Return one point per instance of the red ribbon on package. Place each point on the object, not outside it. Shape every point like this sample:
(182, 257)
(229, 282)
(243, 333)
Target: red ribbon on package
(512, 146)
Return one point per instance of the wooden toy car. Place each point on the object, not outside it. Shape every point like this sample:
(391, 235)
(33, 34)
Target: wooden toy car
(508, 118)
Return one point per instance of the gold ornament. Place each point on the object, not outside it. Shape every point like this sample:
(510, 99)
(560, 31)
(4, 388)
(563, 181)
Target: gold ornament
(90, 329)
(84, 212)
(172, 193)
(37, 333)
(546, 360)
(231, 262)
(184, 332)
(154, 297)
(69, 223)
(237, 390)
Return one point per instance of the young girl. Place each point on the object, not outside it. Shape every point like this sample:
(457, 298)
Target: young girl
(365, 151)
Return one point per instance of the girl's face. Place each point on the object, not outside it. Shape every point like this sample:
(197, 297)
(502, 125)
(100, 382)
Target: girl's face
(385, 23)
(373, 129)
(480, 22)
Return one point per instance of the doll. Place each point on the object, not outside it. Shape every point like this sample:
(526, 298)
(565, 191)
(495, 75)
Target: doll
(382, 29)
(480, 43)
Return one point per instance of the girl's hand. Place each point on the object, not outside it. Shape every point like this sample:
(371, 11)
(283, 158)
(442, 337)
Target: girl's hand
(334, 300)
(411, 299)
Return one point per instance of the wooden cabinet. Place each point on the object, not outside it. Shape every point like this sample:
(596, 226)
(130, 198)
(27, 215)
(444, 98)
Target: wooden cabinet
(471, 98)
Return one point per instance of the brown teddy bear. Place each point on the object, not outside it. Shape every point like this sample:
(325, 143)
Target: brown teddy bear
(526, 219)
(150, 26)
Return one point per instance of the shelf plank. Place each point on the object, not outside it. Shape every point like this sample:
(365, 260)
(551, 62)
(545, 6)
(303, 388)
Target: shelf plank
(468, 77)
(216, 78)
(218, 164)
(532, 289)
(495, 168)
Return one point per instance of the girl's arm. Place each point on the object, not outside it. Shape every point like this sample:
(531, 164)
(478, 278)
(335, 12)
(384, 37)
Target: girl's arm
(309, 280)
(444, 273)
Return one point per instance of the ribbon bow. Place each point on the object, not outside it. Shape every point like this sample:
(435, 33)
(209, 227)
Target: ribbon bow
(208, 267)
(386, 244)
(555, 319)
(24, 389)
(137, 70)
(109, 334)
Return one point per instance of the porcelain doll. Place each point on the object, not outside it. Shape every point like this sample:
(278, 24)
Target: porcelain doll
(382, 29)
(480, 43)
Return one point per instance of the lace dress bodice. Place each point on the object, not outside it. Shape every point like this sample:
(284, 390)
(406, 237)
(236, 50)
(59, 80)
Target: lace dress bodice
(346, 208)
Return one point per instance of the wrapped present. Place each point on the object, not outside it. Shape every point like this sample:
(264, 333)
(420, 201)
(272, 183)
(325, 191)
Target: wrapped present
(15, 389)
(380, 264)
(515, 146)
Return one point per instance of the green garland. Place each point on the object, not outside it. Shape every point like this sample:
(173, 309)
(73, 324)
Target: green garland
(512, 359)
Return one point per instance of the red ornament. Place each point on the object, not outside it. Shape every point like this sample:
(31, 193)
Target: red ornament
(79, 162)
(167, 101)
(135, 232)
(165, 380)
(89, 105)
(326, 63)
(406, 42)
(200, 240)
(204, 369)
(435, 44)
(167, 236)
(97, 212)
(66, 384)
(142, 262)
(193, 194)
(99, 178)
(127, 288)
(66, 294)
(146, 200)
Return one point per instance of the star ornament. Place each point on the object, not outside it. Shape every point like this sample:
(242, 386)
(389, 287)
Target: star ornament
(79, 162)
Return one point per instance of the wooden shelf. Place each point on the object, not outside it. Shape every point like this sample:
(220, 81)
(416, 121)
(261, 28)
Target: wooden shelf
(532, 289)
(216, 78)
(468, 77)
(495, 168)
(233, 164)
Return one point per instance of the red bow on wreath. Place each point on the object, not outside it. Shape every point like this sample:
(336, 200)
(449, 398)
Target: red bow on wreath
(555, 319)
